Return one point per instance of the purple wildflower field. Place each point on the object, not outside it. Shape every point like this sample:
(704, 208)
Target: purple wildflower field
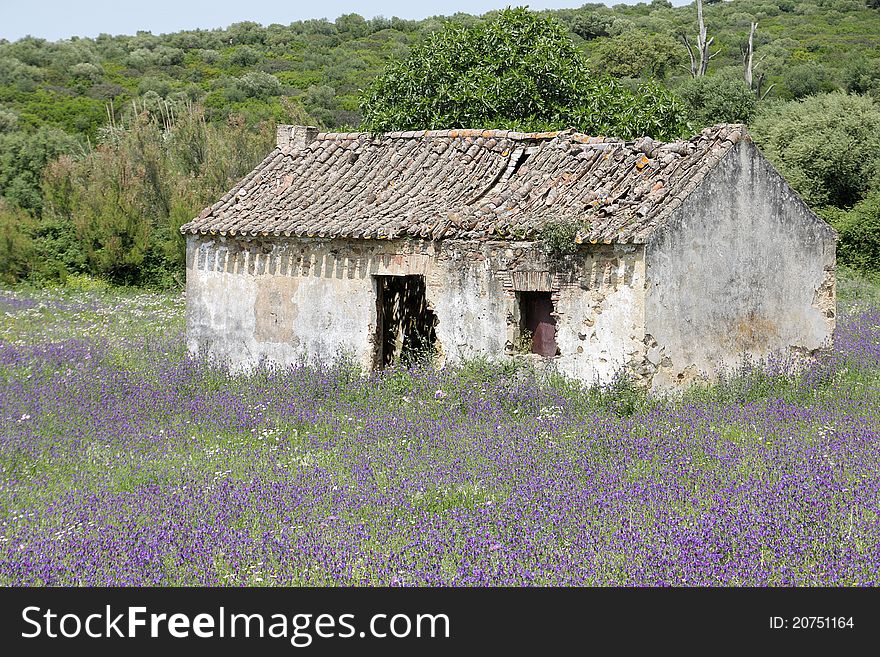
(124, 462)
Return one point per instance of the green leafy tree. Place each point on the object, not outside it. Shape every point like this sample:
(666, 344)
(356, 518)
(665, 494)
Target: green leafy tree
(116, 212)
(637, 54)
(862, 76)
(517, 70)
(591, 25)
(827, 146)
(720, 98)
(257, 84)
(8, 121)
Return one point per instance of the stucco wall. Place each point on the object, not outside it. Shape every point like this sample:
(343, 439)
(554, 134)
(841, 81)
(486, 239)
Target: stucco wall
(290, 300)
(600, 309)
(743, 267)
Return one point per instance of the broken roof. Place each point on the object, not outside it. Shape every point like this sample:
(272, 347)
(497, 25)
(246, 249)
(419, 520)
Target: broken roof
(466, 183)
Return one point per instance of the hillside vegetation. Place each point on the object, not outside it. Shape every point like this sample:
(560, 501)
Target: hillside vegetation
(107, 145)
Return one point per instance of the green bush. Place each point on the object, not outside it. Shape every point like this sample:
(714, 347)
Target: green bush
(808, 79)
(558, 238)
(862, 76)
(637, 54)
(827, 146)
(17, 250)
(722, 98)
(859, 234)
(257, 84)
(244, 56)
(23, 156)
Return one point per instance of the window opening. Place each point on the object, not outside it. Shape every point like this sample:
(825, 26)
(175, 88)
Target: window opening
(537, 322)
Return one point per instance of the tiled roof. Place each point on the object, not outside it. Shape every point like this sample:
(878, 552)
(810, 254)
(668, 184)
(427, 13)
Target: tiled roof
(466, 183)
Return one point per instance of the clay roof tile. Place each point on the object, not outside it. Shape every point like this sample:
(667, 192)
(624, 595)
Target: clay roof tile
(490, 182)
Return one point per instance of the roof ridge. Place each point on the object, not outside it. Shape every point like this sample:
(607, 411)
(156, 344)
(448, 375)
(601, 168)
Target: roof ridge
(517, 135)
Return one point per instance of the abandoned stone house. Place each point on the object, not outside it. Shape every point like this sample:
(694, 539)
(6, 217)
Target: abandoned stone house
(681, 257)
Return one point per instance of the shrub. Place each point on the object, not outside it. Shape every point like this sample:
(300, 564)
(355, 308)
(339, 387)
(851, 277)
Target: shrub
(862, 76)
(16, 246)
(257, 84)
(808, 79)
(827, 146)
(86, 71)
(637, 54)
(558, 238)
(8, 121)
(859, 231)
(712, 99)
(115, 212)
(244, 56)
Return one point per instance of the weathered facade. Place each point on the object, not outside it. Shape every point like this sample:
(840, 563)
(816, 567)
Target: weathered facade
(688, 254)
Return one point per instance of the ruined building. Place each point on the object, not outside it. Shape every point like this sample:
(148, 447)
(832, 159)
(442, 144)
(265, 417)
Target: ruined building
(664, 260)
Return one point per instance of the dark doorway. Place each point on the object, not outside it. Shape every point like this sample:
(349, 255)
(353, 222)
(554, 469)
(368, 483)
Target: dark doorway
(405, 322)
(536, 318)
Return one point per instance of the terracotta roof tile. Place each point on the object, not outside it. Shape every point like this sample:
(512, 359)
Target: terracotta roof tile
(467, 183)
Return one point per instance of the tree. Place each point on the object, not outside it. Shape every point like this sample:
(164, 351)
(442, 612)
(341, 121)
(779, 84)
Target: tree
(860, 75)
(719, 98)
(748, 53)
(16, 245)
(700, 55)
(257, 84)
(637, 54)
(808, 79)
(518, 70)
(591, 26)
(827, 146)
(116, 211)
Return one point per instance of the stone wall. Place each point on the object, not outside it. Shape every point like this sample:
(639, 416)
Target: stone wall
(299, 299)
(743, 267)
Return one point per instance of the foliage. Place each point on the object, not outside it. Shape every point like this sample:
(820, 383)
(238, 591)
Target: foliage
(8, 121)
(558, 238)
(719, 98)
(859, 233)
(637, 54)
(23, 156)
(116, 211)
(257, 84)
(591, 25)
(523, 342)
(518, 69)
(61, 98)
(827, 146)
(862, 76)
(16, 246)
(808, 79)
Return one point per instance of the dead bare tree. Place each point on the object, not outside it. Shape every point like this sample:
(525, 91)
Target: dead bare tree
(749, 55)
(748, 66)
(700, 55)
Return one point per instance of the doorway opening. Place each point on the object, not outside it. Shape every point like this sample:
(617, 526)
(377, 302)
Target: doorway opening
(405, 321)
(537, 325)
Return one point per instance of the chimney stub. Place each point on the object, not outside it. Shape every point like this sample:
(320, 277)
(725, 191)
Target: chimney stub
(295, 136)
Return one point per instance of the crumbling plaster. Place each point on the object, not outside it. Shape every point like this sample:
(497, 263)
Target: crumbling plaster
(743, 267)
(314, 299)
